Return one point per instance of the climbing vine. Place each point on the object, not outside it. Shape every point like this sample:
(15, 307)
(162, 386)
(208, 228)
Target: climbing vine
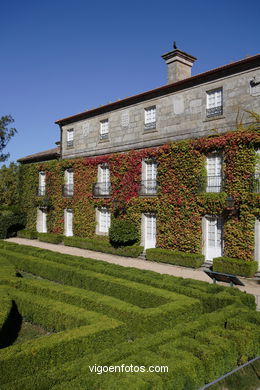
(179, 204)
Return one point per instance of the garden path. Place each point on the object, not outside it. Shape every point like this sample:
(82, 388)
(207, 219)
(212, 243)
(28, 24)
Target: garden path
(252, 286)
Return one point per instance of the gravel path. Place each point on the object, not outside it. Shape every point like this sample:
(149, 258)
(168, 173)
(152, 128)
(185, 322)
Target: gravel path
(251, 286)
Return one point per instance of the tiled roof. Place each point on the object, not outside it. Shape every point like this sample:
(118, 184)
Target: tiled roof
(46, 155)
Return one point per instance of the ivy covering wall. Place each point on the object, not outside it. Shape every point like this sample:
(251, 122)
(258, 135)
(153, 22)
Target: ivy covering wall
(179, 205)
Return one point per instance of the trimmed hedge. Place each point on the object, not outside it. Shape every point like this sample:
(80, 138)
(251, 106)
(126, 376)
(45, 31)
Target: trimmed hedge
(173, 257)
(212, 296)
(240, 267)
(30, 234)
(103, 246)
(123, 232)
(51, 238)
(11, 222)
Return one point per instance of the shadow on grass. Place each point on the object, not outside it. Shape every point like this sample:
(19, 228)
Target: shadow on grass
(11, 327)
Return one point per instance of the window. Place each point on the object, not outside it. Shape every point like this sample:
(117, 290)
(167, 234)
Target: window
(256, 180)
(103, 186)
(42, 184)
(213, 237)
(41, 225)
(150, 118)
(149, 230)
(149, 175)
(68, 188)
(104, 129)
(70, 138)
(103, 220)
(68, 222)
(215, 103)
(214, 173)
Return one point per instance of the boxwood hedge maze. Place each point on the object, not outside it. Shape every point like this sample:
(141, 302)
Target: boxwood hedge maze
(99, 314)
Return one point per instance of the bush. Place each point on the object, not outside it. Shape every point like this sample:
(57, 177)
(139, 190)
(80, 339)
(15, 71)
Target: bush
(51, 238)
(10, 222)
(123, 232)
(174, 257)
(30, 234)
(103, 246)
(232, 266)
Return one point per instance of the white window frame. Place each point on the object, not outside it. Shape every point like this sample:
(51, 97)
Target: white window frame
(214, 103)
(103, 217)
(150, 118)
(257, 241)
(207, 249)
(41, 224)
(104, 129)
(42, 183)
(70, 137)
(215, 180)
(149, 177)
(69, 181)
(68, 231)
(104, 179)
(149, 230)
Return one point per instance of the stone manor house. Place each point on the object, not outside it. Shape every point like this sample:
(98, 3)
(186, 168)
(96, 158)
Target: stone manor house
(188, 108)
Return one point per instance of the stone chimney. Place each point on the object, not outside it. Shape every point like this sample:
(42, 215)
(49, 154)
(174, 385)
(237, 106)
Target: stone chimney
(179, 64)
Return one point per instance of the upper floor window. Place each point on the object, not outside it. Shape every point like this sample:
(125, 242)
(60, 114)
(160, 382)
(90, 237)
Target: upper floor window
(150, 118)
(149, 178)
(103, 220)
(104, 129)
(256, 176)
(68, 188)
(214, 102)
(214, 173)
(42, 184)
(70, 137)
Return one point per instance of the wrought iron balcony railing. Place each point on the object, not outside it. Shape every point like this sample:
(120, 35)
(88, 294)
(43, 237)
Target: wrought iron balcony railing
(215, 111)
(148, 187)
(150, 125)
(70, 144)
(102, 189)
(67, 190)
(41, 191)
(211, 183)
(103, 136)
(255, 183)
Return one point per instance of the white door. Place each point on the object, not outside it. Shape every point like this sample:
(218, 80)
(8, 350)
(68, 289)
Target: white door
(41, 221)
(214, 237)
(105, 180)
(104, 220)
(151, 174)
(68, 222)
(214, 166)
(257, 241)
(149, 236)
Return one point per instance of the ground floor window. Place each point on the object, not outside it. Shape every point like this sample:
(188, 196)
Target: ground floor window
(149, 230)
(257, 241)
(41, 224)
(68, 222)
(212, 242)
(103, 220)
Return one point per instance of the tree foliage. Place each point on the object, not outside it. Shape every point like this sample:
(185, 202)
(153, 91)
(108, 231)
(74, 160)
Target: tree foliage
(9, 185)
(6, 133)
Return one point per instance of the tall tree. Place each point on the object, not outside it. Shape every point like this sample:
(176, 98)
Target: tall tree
(9, 185)
(6, 133)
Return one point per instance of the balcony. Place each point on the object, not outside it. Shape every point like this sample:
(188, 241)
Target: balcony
(103, 136)
(215, 111)
(102, 190)
(70, 144)
(147, 187)
(67, 190)
(150, 126)
(41, 191)
(211, 183)
(255, 183)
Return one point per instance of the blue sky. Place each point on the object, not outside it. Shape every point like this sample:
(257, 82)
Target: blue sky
(63, 57)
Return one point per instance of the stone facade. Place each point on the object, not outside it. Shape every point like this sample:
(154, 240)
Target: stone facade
(180, 114)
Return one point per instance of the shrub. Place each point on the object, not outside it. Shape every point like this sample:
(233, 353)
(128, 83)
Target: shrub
(51, 238)
(30, 234)
(103, 246)
(10, 222)
(240, 267)
(123, 232)
(173, 257)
